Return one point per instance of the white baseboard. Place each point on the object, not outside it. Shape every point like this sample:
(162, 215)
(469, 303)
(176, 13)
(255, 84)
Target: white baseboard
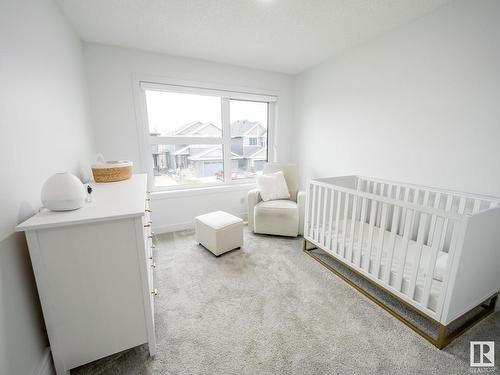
(183, 226)
(173, 227)
(46, 365)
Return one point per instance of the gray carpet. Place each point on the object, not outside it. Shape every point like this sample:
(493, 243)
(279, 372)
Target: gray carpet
(271, 309)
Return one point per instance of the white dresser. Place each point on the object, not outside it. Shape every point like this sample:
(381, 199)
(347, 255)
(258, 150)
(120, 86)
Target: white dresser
(94, 272)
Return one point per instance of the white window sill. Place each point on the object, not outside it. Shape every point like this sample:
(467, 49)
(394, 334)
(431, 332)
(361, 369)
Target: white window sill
(197, 191)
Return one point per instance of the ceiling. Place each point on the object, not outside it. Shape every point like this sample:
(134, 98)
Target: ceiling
(287, 36)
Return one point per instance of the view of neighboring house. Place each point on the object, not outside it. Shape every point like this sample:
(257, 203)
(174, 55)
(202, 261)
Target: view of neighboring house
(248, 151)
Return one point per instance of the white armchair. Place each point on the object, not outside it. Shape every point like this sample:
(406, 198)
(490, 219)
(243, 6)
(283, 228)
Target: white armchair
(279, 217)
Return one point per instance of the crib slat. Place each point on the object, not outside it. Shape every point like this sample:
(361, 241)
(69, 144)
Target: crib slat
(373, 218)
(359, 183)
(416, 196)
(337, 222)
(379, 212)
(416, 261)
(457, 227)
(431, 265)
(381, 232)
(323, 225)
(398, 217)
(389, 191)
(361, 229)
(426, 198)
(306, 214)
(373, 211)
(447, 208)
(477, 205)
(330, 220)
(353, 223)
(318, 225)
(344, 222)
(408, 228)
(307, 230)
(313, 211)
(310, 209)
(437, 199)
(398, 192)
(392, 243)
(461, 206)
(403, 213)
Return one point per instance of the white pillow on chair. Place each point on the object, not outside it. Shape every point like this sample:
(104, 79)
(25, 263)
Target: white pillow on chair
(273, 186)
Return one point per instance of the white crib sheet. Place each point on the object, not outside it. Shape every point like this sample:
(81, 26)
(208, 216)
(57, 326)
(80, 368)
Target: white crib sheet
(411, 256)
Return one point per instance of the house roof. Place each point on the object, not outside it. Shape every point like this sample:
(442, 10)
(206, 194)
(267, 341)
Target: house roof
(197, 128)
(239, 128)
(212, 153)
(260, 153)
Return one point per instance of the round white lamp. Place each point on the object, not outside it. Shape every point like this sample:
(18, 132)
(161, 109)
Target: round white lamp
(63, 192)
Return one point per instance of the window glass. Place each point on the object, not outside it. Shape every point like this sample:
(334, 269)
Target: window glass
(248, 137)
(179, 114)
(187, 142)
(187, 164)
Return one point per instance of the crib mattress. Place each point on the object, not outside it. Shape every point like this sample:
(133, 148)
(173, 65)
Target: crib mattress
(411, 258)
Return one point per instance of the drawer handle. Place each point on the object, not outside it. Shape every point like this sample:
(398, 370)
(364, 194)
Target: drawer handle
(147, 225)
(148, 199)
(154, 292)
(151, 258)
(153, 246)
(153, 265)
(151, 237)
(148, 210)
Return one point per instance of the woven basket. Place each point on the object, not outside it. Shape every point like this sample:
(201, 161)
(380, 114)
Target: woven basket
(112, 171)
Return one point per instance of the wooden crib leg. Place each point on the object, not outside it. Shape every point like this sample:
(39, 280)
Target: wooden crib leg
(444, 339)
(441, 340)
(305, 248)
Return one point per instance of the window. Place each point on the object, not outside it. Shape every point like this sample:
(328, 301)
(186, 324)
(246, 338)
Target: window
(248, 126)
(204, 137)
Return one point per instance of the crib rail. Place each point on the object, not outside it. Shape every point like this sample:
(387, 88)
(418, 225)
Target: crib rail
(393, 235)
(460, 202)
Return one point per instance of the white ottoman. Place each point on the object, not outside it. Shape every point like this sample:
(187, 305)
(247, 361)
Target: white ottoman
(219, 231)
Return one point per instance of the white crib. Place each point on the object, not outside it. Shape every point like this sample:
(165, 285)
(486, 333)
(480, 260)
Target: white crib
(435, 250)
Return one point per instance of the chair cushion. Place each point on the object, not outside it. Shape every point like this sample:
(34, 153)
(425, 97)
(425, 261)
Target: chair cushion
(273, 186)
(280, 204)
(278, 217)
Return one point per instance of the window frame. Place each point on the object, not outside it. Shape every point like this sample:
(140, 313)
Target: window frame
(226, 93)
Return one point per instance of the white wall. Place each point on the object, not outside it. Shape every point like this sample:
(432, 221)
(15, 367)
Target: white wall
(109, 73)
(420, 104)
(44, 128)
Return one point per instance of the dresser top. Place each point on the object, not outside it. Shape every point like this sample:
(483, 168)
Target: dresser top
(112, 200)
